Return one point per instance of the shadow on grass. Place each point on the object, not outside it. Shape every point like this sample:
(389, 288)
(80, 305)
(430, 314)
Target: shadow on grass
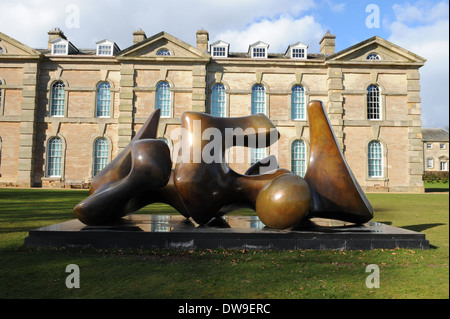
(421, 227)
(436, 190)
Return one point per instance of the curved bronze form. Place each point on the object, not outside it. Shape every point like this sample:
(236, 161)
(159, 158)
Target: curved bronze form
(336, 193)
(203, 187)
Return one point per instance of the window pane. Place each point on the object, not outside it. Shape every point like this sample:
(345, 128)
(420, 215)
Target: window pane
(259, 52)
(444, 166)
(375, 159)
(219, 51)
(163, 52)
(430, 163)
(298, 103)
(57, 99)
(298, 53)
(163, 98)
(373, 56)
(258, 99)
(257, 154)
(54, 157)
(104, 50)
(298, 158)
(218, 101)
(59, 48)
(103, 100)
(373, 103)
(101, 155)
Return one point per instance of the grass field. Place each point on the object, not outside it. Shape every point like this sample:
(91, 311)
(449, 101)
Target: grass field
(165, 274)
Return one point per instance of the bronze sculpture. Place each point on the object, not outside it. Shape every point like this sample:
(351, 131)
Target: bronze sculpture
(202, 189)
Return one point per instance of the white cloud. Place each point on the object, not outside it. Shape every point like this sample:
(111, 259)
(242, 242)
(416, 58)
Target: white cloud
(430, 39)
(29, 20)
(279, 34)
(420, 12)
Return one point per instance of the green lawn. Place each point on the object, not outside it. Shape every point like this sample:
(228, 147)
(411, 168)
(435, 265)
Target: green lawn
(436, 187)
(166, 274)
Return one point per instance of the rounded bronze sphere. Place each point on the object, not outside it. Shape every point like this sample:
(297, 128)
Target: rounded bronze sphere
(284, 202)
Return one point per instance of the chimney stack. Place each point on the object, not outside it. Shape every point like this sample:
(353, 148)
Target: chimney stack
(139, 36)
(327, 44)
(53, 34)
(202, 40)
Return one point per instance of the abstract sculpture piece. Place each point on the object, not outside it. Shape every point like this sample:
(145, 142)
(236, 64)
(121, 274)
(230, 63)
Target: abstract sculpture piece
(203, 187)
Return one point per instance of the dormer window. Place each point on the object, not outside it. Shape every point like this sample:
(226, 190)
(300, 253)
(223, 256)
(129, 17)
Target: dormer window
(59, 49)
(259, 50)
(61, 46)
(297, 51)
(104, 50)
(373, 57)
(219, 49)
(107, 48)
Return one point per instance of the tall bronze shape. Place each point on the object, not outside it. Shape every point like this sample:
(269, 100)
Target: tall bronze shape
(336, 192)
(203, 187)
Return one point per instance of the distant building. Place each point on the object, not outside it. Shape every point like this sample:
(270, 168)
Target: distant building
(66, 112)
(435, 149)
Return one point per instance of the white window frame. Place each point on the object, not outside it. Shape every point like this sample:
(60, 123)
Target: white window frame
(166, 52)
(443, 146)
(99, 101)
(259, 97)
(66, 46)
(259, 46)
(298, 157)
(54, 99)
(219, 100)
(373, 57)
(443, 166)
(429, 146)
(379, 106)
(162, 100)
(291, 52)
(430, 163)
(301, 104)
(49, 158)
(103, 48)
(100, 162)
(223, 46)
(381, 153)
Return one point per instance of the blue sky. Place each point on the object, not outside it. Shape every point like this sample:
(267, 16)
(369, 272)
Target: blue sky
(420, 26)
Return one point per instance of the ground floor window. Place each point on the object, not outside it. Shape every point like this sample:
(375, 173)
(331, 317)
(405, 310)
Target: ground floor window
(54, 157)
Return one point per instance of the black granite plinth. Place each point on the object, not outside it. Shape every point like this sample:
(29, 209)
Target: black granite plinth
(235, 232)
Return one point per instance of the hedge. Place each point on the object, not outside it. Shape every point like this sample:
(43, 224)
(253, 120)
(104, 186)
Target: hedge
(435, 177)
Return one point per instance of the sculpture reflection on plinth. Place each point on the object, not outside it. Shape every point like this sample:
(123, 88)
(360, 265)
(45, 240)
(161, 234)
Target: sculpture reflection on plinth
(203, 187)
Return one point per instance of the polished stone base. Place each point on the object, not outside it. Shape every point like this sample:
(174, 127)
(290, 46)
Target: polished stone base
(235, 232)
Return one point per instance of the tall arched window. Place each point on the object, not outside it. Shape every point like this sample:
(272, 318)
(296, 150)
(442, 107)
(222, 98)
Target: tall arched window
(163, 98)
(54, 157)
(375, 158)
(298, 103)
(218, 101)
(101, 155)
(373, 103)
(298, 158)
(103, 107)
(58, 99)
(258, 99)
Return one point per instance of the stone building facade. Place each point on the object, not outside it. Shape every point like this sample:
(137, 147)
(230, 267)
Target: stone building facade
(435, 149)
(66, 112)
